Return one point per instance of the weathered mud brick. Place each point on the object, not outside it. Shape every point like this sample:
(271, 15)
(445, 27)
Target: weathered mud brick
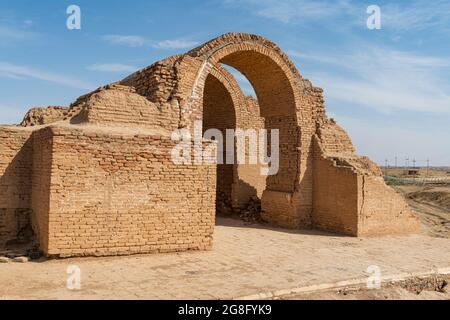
(97, 178)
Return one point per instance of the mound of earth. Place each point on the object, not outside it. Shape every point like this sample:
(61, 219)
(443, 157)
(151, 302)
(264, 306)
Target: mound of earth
(436, 197)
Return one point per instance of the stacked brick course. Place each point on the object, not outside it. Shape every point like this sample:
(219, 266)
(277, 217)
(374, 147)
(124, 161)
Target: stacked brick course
(15, 185)
(118, 192)
(97, 178)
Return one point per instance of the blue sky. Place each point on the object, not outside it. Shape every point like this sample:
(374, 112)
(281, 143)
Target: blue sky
(389, 88)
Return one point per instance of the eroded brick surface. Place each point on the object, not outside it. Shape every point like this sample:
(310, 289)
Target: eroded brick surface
(97, 178)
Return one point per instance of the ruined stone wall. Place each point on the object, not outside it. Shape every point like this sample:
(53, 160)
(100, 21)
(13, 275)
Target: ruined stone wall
(310, 114)
(118, 105)
(15, 185)
(115, 192)
(41, 116)
(100, 180)
(277, 85)
(249, 182)
(381, 210)
(226, 107)
(40, 194)
(219, 113)
(350, 195)
(155, 82)
(335, 195)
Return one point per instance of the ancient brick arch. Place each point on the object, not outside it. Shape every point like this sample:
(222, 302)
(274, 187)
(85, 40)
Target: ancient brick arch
(98, 178)
(225, 107)
(278, 87)
(269, 71)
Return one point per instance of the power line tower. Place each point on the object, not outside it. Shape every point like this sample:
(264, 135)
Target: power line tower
(396, 162)
(414, 163)
(428, 166)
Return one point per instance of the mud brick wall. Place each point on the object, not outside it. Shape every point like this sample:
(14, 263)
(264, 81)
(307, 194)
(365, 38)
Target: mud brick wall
(40, 194)
(155, 82)
(120, 106)
(378, 204)
(114, 192)
(350, 195)
(15, 184)
(219, 113)
(249, 182)
(335, 196)
(99, 181)
(226, 107)
(284, 180)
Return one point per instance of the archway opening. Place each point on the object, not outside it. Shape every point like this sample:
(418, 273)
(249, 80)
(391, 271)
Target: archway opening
(273, 85)
(219, 113)
(277, 107)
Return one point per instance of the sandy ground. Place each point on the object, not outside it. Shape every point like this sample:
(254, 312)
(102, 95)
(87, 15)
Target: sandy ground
(430, 203)
(249, 259)
(245, 260)
(427, 288)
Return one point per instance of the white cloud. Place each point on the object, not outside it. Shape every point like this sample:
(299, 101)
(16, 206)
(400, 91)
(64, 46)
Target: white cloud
(287, 11)
(16, 71)
(417, 15)
(175, 44)
(9, 34)
(14, 31)
(128, 40)
(138, 41)
(406, 16)
(384, 79)
(111, 67)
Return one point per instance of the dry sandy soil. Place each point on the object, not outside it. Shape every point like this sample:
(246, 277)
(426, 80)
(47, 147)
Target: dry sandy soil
(252, 258)
(422, 172)
(247, 260)
(426, 288)
(432, 206)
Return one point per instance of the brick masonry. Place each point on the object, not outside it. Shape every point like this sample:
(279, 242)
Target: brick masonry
(97, 178)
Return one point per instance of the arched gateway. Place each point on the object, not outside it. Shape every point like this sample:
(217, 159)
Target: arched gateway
(98, 178)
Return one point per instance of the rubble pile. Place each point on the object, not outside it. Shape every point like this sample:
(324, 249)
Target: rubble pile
(252, 212)
(248, 213)
(223, 205)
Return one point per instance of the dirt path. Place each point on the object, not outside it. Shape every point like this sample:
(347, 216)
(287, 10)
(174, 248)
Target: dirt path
(427, 288)
(435, 219)
(246, 260)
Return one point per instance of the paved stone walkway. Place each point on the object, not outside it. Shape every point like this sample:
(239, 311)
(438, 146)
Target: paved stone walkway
(245, 260)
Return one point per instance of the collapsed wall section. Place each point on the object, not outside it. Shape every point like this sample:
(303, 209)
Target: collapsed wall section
(382, 210)
(117, 105)
(118, 192)
(350, 195)
(335, 196)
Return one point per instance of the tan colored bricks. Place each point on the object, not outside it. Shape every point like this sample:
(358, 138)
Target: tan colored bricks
(97, 178)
